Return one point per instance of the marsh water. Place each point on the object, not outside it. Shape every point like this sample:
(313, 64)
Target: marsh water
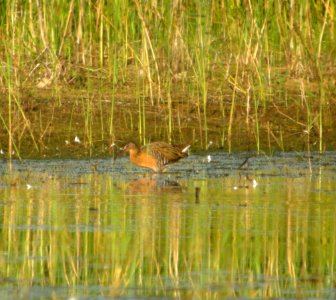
(213, 226)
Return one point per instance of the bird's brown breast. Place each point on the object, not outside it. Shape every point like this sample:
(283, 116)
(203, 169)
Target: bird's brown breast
(142, 159)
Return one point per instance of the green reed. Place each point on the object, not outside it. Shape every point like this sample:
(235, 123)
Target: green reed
(271, 44)
(170, 113)
(141, 108)
(87, 107)
(9, 126)
(114, 81)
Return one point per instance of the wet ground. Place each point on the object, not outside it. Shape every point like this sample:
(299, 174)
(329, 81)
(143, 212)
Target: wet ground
(72, 123)
(213, 226)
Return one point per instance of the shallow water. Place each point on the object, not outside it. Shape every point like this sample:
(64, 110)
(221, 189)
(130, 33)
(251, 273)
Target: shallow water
(102, 229)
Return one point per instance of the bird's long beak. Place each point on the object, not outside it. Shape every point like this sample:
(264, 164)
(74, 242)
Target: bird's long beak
(117, 151)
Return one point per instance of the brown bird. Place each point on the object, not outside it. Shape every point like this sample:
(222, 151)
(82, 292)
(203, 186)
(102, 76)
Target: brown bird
(156, 155)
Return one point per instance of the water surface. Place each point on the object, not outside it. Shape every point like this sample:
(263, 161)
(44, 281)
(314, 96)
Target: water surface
(102, 229)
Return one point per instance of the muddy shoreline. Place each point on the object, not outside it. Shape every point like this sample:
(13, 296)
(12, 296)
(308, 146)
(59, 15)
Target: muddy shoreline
(74, 123)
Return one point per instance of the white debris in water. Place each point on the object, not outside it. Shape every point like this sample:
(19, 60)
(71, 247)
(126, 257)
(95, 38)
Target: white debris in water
(209, 158)
(28, 186)
(77, 140)
(254, 183)
(67, 142)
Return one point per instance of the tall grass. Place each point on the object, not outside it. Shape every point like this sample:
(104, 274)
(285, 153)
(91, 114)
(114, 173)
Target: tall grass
(272, 44)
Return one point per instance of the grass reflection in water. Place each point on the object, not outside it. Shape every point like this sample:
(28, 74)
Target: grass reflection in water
(115, 232)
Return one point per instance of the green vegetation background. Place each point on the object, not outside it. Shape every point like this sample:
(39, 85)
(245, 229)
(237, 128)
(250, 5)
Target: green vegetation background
(244, 75)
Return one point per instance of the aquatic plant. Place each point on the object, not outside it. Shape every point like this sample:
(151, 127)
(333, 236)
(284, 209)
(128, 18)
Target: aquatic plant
(235, 55)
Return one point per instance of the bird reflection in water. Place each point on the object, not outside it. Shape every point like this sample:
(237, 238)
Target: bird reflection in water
(152, 184)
